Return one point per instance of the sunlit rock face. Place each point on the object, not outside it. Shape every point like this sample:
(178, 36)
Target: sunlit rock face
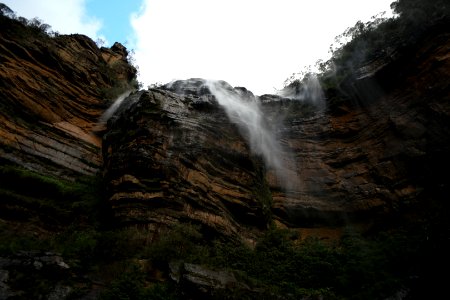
(53, 92)
(175, 157)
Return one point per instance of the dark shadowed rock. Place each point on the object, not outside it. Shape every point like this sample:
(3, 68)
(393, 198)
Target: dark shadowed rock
(29, 274)
(172, 154)
(376, 156)
(168, 159)
(203, 282)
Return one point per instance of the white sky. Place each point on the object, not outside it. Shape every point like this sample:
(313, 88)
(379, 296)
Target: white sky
(64, 16)
(251, 43)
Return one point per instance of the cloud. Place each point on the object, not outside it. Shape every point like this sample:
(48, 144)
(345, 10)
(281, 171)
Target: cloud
(66, 17)
(251, 43)
(256, 44)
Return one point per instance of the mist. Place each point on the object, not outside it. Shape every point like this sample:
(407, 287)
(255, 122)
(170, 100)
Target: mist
(114, 106)
(308, 89)
(244, 109)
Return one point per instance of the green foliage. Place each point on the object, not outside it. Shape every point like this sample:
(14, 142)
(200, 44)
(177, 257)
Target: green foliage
(39, 27)
(58, 199)
(35, 26)
(354, 268)
(288, 267)
(78, 244)
(183, 242)
(236, 256)
(422, 11)
(111, 93)
(131, 285)
(380, 38)
(30, 30)
(6, 11)
(10, 242)
(280, 263)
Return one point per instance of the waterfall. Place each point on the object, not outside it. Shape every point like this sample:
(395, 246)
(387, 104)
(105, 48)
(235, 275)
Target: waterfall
(309, 89)
(245, 111)
(112, 109)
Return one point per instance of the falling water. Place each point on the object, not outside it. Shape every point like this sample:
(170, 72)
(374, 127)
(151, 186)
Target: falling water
(307, 90)
(244, 109)
(112, 109)
(246, 112)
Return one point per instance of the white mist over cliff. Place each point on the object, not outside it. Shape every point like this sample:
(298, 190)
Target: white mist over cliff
(245, 110)
(308, 89)
(261, 128)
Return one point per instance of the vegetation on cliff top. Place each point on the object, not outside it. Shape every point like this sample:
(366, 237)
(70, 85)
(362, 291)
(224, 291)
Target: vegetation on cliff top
(379, 39)
(29, 30)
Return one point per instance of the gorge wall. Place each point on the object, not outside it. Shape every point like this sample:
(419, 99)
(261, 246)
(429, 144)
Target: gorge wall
(172, 154)
(382, 152)
(373, 153)
(53, 92)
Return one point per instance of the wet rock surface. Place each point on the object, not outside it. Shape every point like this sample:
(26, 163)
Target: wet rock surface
(171, 157)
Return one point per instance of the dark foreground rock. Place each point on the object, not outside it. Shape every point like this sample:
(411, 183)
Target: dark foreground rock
(33, 274)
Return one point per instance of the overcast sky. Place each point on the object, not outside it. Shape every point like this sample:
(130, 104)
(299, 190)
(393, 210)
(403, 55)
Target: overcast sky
(251, 43)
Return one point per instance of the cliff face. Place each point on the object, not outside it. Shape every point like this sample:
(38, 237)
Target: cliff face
(177, 158)
(376, 154)
(173, 155)
(53, 93)
(383, 152)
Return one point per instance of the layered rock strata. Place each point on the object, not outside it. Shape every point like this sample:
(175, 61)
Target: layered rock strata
(177, 158)
(173, 155)
(54, 89)
(382, 152)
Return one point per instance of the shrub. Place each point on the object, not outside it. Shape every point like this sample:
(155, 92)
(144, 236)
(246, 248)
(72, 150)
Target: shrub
(182, 242)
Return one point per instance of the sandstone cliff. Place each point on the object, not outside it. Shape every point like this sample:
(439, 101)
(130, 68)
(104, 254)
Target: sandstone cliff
(173, 158)
(384, 151)
(173, 155)
(54, 89)
(190, 203)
